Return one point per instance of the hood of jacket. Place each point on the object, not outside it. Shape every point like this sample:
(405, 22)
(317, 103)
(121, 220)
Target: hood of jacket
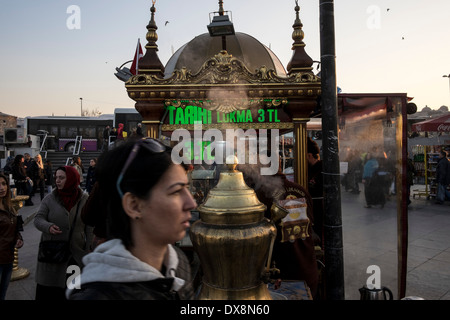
(112, 262)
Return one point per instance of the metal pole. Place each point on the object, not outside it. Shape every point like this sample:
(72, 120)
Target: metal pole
(81, 100)
(221, 13)
(402, 214)
(333, 244)
(447, 76)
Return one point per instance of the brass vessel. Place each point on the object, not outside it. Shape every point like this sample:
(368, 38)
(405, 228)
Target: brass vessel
(18, 272)
(232, 239)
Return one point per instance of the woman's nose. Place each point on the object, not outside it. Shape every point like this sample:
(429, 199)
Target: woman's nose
(190, 201)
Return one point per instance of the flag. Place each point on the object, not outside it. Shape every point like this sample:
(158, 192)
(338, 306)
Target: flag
(137, 56)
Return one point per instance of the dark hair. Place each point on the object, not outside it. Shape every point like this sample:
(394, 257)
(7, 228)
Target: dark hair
(75, 160)
(7, 199)
(312, 147)
(141, 176)
(18, 159)
(61, 168)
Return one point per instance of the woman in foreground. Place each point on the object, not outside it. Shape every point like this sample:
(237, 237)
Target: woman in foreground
(145, 208)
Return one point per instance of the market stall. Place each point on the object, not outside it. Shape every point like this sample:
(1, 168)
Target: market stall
(221, 98)
(434, 134)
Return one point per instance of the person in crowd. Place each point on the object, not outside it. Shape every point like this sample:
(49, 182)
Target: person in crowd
(105, 142)
(28, 164)
(22, 181)
(133, 134)
(315, 184)
(120, 136)
(442, 177)
(49, 181)
(113, 135)
(38, 174)
(385, 177)
(10, 237)
(90, 177)
(58, 213)
(371, 191)
(410, 173)
(8, 165)
(146, 206)
(353, 172)
(76, 162)
(139, 132)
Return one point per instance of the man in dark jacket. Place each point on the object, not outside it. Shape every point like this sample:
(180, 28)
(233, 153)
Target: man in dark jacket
(21, 179)
(139, 132)
(442, 177)
(105, 142)
(28, 164)
(315, 184)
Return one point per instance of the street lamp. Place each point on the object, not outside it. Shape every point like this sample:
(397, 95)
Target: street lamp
(81, 100)
(221, 26)
(123, 73)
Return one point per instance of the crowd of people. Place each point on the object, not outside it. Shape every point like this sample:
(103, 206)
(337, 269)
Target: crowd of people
(374, 172)
(29, 174)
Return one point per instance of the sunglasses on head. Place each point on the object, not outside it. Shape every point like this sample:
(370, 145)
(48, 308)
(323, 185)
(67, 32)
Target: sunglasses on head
(152, 145)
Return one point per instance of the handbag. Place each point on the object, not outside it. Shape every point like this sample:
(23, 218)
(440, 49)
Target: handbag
(53, 251)
(56, 251)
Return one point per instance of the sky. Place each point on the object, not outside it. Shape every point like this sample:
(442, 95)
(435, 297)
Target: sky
(55, 52)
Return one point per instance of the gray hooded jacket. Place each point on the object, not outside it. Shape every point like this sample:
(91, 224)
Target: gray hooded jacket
(111, 272)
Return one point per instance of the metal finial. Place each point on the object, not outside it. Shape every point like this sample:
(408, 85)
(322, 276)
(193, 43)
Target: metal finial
(152, 23)
(298, 34)
(297, 9)
(152, 36)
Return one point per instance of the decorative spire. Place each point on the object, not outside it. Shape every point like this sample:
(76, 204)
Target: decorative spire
(300, 60)
(150, 63)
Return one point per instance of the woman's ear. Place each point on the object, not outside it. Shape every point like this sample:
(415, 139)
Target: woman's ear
(130, 204)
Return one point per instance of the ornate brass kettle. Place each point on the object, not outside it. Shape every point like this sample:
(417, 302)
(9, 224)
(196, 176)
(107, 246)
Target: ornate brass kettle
(232, 239)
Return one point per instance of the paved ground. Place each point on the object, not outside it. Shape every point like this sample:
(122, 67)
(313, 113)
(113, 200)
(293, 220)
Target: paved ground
(370, 238)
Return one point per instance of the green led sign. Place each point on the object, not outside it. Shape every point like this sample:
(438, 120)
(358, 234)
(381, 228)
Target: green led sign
(193, 114)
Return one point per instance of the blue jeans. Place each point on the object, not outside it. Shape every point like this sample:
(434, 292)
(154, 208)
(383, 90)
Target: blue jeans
(5, 277)
(442, 193)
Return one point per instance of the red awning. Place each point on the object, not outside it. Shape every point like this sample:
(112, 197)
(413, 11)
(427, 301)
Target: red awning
(439, 124)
